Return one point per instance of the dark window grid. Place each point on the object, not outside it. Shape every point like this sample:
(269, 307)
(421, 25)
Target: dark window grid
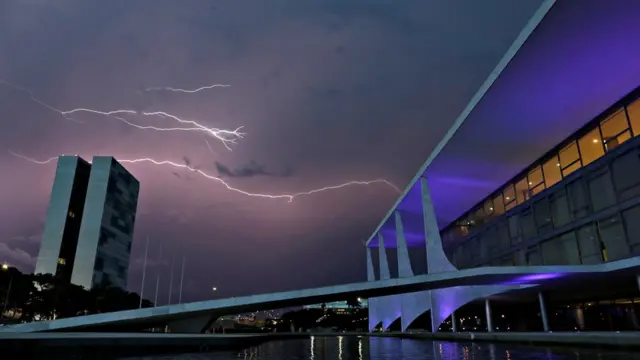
(563, 192)
(598, 228)
(571, 226)
(616, 192)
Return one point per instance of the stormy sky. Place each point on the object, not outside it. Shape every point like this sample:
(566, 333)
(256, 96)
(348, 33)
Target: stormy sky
(326, 92)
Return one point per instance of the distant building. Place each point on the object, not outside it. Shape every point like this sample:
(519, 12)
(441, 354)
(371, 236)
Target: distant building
(64, 216)
(337, 305)
(90, 221)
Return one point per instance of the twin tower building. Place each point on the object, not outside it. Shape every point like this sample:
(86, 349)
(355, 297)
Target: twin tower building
(89, 225)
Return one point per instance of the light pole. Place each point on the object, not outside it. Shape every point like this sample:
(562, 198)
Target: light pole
(181, 280)
(5, 267)
(144, 271)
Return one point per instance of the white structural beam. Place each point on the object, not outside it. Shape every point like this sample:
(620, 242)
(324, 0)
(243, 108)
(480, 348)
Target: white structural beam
(502, 64)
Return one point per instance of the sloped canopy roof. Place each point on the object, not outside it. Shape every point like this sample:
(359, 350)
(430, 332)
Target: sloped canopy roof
(579, 60)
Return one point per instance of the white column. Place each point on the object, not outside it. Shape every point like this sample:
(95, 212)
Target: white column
(372, 302)
(371, 275)
(454, 322)
(385, 274)
(404, 262)
(543, 313)
(487, 309)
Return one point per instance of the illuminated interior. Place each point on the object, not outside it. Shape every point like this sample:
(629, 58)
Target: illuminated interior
(612, 128)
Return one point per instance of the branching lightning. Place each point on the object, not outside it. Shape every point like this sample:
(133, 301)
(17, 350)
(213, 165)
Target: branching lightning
(288, 197)
(227, 137)
(186, 90)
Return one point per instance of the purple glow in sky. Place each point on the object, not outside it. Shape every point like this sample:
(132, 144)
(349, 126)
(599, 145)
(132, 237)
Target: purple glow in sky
(326, 92)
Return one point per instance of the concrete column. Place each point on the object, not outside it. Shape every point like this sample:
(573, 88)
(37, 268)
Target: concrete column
(371, 275)
(436, 259)
(543, 313)
(454, 322)
(385, 274)
(487, 309)
(372, 302)
(404, 262)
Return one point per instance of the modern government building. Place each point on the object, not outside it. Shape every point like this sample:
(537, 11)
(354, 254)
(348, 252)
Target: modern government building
(541, 168)
(89, 225)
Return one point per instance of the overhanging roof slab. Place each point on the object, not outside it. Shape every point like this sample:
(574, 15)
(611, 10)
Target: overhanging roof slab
(581, 59)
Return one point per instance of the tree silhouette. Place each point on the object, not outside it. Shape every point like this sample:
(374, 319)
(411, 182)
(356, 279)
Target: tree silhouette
(46, 297)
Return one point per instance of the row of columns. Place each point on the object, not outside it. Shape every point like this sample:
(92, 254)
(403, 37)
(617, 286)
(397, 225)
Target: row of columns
(489, 317)
(413, 304)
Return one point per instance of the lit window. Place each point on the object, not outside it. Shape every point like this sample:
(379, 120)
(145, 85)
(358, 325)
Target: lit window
(591, 147)
(551, 170)
(498, 205)
(62, 261)
(615, 129)
(569, 158)
(633, 111)
(536, 182)
(522, 190)
(72, 214)
(509, 195)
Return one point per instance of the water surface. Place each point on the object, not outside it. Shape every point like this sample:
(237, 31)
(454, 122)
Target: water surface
(374, 348)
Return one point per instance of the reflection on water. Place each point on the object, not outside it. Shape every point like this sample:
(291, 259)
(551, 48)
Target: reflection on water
(365, 348)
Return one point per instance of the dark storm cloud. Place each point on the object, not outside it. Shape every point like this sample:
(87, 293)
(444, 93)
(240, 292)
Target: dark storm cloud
(337, 90)
(251, 169)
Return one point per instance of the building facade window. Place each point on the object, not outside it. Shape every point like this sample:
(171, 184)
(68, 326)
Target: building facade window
(583, 196)
(569, 159)
(509, 196)
(591, 147)
(633, 111)
(552, 172)
(615, 129)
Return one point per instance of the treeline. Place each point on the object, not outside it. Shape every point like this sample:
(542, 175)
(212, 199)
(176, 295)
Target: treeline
(35, 297)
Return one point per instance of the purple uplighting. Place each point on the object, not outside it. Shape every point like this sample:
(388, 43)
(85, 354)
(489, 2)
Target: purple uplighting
(534, 278)
(547, 80)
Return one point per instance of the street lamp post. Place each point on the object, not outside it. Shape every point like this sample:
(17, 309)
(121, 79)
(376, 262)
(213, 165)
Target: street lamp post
(5, 267)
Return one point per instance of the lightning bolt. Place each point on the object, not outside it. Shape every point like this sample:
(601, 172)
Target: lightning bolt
(227, 137)
(288, 197)
(186, 90)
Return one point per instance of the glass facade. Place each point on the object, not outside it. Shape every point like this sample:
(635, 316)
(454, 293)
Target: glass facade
(106, 235)
(575, 205)
(64, 216)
